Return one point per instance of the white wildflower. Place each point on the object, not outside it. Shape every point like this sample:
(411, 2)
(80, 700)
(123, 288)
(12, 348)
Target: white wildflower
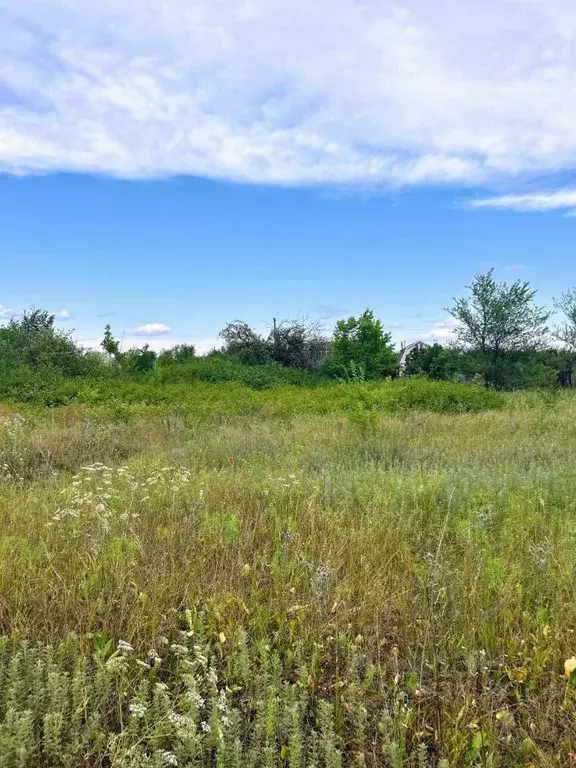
(169, 757)
(137, 709)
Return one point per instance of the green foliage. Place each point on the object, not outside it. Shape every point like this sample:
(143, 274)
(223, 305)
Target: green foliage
(181, 353)
(220, 368)
(297, 344)
(437, 362)
(292, 343)
(206, 399)
(138, 360)
(361, 341)
(498, 318)
(244, 344)
(109, 344)
(32, 341)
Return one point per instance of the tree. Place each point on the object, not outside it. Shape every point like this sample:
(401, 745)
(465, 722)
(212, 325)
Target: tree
(296, 343)
(181, 353)
(34, 342)
(35, 321)
(438, 362)
(498, 319)
(243, 343)
(138, 359)
(109, 344)
(362, 341)
(566, 333)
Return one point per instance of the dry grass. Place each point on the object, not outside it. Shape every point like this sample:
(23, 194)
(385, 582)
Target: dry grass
(421, 567)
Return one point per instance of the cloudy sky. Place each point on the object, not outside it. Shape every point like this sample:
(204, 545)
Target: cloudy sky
(171, 165)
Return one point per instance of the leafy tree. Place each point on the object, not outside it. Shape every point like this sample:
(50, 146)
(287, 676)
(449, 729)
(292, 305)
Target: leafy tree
(496, 319)
(566, 332)
(138, 359)
(244, 344)
(438, 362)
(34, 342)
(35, 321)
(109, 344)
(181, 353)
(362, 341)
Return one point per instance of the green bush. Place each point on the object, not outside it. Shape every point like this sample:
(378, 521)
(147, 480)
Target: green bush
(219, 369)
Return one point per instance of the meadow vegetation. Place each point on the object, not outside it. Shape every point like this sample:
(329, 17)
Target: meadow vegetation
(286, 555)
(297, 583)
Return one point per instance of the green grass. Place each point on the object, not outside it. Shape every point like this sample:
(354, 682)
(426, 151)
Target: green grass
(313, 577)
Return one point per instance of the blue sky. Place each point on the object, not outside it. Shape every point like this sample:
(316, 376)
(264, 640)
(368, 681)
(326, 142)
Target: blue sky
(167, 167)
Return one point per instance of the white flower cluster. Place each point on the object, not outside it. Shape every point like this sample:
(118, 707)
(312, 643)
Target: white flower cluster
(105, 495)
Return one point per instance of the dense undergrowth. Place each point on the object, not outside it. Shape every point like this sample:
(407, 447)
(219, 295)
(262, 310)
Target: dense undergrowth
(206, 398)
(322, 590)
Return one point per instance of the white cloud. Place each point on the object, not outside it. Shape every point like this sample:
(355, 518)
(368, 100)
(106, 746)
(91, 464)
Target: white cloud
(151, 329)
(5, 312)
(393, 92)
(63, 314)
(441, 332)
(539, 202)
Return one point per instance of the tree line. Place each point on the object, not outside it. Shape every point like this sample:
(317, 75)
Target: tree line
(502, 338)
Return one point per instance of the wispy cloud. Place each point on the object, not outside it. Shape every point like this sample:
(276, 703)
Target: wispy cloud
(5, 312)
(396, 92)
(63, 314)
(515, 267)
(331, 313)
(538, 202)
(150, 329)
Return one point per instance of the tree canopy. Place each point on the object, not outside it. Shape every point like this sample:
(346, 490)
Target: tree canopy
(362, 341)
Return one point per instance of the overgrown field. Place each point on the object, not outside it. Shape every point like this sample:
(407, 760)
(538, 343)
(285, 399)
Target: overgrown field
(287, 587)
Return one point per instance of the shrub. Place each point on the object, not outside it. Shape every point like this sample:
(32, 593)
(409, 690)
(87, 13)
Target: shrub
(361, 343)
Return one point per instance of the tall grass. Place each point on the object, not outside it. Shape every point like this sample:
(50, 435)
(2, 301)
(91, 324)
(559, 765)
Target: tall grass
(320, 590)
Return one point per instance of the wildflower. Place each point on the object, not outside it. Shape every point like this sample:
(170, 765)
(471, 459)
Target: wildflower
(124, 646)
(161, 687)
(179, 650)
(198, 700)
(570, 666)
(153, 656)
(137, 709)
(169, 757)
(205, 727)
